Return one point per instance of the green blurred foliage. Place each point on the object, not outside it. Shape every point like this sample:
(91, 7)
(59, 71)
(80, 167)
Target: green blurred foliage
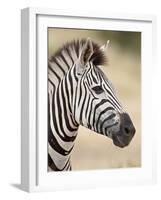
(124, 40)
(128, 41)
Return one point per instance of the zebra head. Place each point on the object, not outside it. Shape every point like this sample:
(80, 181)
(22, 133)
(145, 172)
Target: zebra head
(95, 104)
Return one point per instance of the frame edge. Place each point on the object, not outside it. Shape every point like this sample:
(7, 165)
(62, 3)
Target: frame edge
(28, 100)
(25, 99)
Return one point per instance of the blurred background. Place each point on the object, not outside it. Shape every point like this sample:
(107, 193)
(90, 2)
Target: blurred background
(93, 151)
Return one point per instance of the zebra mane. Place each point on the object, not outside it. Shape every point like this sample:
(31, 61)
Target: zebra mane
(98, 57)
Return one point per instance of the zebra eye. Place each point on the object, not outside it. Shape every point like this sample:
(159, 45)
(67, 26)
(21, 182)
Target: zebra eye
(98, 89)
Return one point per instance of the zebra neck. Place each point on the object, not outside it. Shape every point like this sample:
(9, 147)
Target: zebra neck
(62, 127)
(62, 130)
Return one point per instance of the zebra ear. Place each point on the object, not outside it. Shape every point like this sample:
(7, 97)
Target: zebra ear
(87, 52)
(105, 46)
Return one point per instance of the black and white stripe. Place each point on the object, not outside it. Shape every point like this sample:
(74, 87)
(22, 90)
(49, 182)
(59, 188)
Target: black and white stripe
(78, 94)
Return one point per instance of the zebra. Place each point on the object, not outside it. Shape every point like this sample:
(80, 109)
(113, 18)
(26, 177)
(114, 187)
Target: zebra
(79, 93)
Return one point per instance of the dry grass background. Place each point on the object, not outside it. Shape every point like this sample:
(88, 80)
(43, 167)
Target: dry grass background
(93, 151)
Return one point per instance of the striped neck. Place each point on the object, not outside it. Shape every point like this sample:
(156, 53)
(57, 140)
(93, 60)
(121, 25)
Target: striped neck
(62, 128)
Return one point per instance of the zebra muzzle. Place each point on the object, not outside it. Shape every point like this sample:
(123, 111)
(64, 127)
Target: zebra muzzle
(127, 131)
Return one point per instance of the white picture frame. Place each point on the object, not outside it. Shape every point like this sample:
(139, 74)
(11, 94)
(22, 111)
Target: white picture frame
(34, 175)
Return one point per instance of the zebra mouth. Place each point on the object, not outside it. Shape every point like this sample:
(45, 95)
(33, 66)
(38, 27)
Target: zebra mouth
(118, 141)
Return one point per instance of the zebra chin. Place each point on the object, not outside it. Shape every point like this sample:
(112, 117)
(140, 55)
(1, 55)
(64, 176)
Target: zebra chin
(120, 141)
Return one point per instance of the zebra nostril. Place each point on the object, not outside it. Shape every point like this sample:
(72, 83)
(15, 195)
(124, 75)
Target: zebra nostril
(127, 131)
(128, 128)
